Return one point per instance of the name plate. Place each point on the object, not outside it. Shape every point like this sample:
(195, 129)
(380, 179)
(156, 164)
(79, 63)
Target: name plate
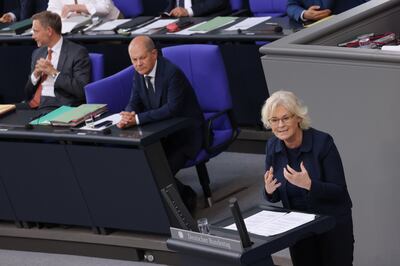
(206, 239)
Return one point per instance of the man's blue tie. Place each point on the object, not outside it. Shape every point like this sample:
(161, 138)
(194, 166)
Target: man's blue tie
(181, 3)
(151, 92)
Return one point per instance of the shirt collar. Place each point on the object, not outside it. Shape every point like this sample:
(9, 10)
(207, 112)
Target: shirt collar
(57, 47)
(152, 73)
(305, 146)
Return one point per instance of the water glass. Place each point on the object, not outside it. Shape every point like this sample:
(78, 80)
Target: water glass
(203, 226)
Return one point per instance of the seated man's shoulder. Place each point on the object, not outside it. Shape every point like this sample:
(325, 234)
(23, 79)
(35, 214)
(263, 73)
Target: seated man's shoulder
(75, 47)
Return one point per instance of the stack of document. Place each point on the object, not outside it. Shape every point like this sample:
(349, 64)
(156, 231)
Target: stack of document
(70, 116)
(108, 27)
(268, 223)
(77, 115)
(206, 26)
(74, 23)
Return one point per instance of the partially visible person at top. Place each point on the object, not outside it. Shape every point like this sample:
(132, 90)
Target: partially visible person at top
(104, 9)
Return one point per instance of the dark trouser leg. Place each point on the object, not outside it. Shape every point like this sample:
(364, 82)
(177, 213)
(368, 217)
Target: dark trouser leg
(305, 252)
(337, 245)
(333, 248)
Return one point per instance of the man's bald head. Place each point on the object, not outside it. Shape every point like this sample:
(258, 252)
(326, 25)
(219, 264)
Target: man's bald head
(143, 54)
(143, 42)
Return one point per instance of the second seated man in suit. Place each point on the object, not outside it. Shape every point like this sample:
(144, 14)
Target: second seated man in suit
(24, 10)
(196, 8)
(161, 91)
(313, 10)
(60, 68)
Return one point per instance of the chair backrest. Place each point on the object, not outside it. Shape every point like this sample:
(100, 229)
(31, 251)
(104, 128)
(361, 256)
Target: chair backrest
(114, 90)
(97, 61)
(129, 8)
(236, 5)
(204, 67)
(263, 8)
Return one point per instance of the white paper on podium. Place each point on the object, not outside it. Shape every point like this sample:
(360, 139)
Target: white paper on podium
(268, 223)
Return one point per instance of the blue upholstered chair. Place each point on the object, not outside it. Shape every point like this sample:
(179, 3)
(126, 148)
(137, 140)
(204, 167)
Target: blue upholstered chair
(129, 8)
(97, 61)
(263, 8)
(237, 8)
(204, 67)
(114, 90)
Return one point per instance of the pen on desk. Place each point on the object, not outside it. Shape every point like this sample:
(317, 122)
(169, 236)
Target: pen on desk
(272, 23)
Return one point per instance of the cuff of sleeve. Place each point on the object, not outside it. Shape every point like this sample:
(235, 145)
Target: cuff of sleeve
(34, 80)
(91, 8)
(190, 11)
(316, 188)
(302, 16)
(13, 17)
(137, 120)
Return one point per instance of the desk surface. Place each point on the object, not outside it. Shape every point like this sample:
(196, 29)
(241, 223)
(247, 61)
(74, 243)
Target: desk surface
(289, 26)
(12, 126)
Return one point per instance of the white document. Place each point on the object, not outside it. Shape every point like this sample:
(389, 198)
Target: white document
(70, 23)
(394, 48)
(156, 25)
(110, 25)
(115, 118)
(268, 223)
(248, 23)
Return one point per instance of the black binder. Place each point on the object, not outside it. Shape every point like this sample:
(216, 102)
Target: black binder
(134, 23)
(17, 27)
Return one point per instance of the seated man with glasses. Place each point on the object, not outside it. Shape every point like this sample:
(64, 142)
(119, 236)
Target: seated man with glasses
(305, 172)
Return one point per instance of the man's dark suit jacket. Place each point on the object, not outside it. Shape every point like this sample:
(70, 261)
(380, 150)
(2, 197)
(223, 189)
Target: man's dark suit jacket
(30, 7)
(203, 7)
(75, 70)
(23, 9)
(175, 98)
(296, 7)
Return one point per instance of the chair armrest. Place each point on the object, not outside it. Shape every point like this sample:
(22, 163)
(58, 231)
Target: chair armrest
(241, 13)
(209, 136)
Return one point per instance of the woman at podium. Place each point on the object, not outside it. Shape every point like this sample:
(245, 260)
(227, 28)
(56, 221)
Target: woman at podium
(304, 171)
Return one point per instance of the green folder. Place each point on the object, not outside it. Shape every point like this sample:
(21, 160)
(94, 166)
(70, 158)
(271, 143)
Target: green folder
(45, 120)
(77, 115)
(214, 23)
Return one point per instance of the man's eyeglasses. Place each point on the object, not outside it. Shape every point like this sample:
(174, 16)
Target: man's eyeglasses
(285, 120)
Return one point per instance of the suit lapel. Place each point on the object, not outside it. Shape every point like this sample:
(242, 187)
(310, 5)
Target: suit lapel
(159, 81)
(145, 93)
(63, 55)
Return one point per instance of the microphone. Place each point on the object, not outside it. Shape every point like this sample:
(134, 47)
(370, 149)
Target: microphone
(240, 225)
(107, 131)
(28, 126)
(276, 27)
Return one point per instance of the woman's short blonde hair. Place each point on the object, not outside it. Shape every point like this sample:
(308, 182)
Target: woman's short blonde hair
(288, 100)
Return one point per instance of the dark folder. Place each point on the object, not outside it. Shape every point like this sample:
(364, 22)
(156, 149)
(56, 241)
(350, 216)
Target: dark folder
(134, 23)
(17, 27)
